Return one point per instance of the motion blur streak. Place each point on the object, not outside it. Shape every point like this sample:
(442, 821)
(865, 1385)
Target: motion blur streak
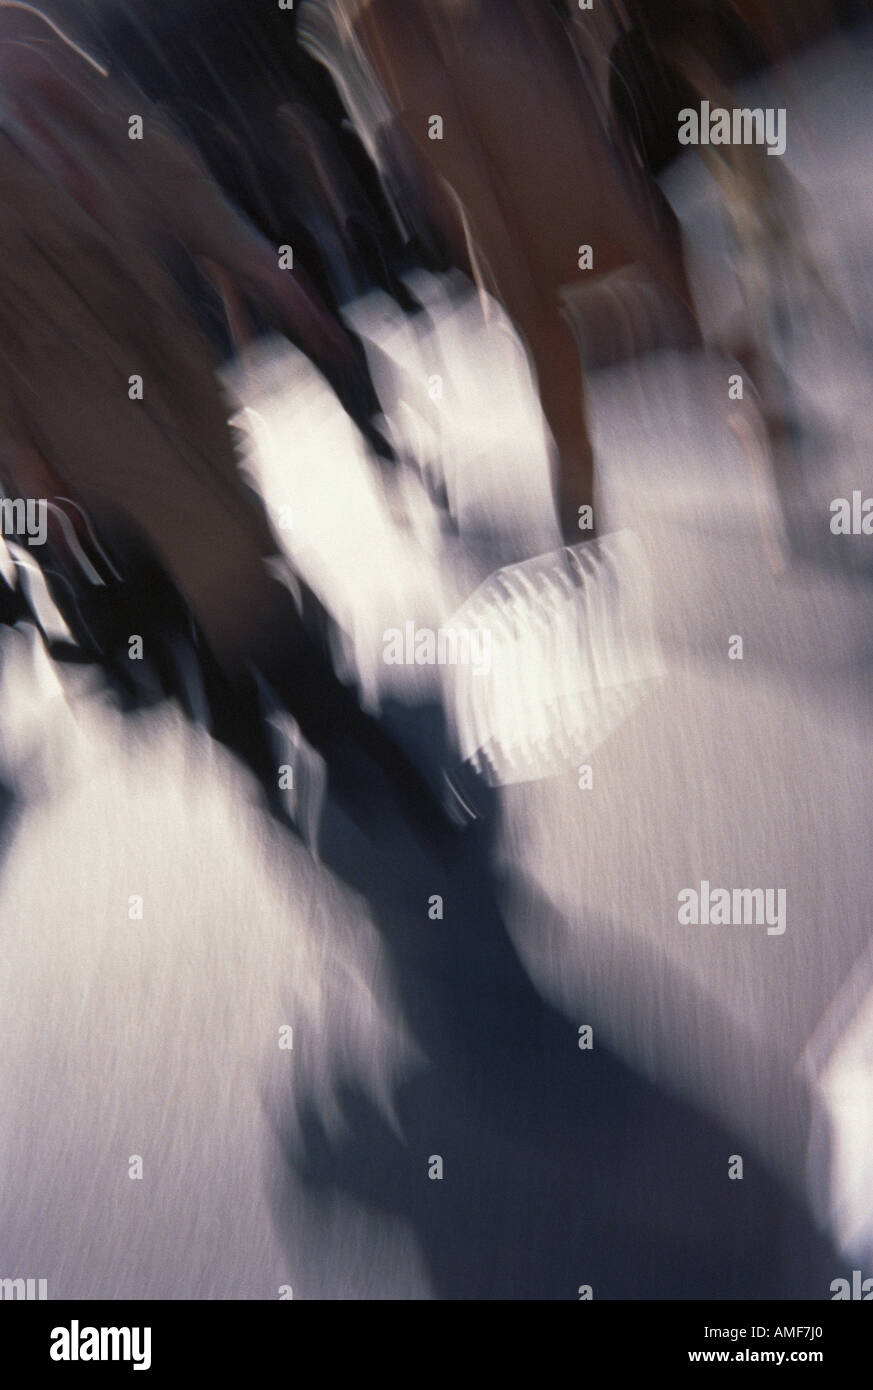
(470, 867)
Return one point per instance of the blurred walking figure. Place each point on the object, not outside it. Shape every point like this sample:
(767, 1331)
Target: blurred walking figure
(677, 54)
(87, 306)
(492, 125)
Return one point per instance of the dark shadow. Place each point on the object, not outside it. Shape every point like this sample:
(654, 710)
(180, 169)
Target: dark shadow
(561, 1166)
(8, 822)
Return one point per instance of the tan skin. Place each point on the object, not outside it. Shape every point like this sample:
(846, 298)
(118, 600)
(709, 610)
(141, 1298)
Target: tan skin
(523, 176)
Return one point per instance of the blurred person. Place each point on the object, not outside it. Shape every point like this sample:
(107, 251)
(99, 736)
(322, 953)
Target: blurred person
(268, 126)
(85, 305)
(335, 207)
(522, 176)
(676, 54)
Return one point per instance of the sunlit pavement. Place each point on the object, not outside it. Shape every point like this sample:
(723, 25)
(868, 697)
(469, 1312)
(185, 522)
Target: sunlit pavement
(412, 1037)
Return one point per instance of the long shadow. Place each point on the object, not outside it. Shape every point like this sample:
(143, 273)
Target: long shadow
(561, 1167)
(8, 821)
